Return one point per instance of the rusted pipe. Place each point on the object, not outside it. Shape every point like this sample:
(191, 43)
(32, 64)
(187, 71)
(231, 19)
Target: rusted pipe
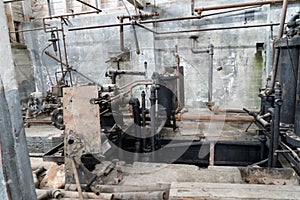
(277, 50)
(152, 195)
(192, 7)
(210, 72)
(138, 51)
(71, 15)
(130, 188)
(152, 21)
(136, 83)
(46, 194)
(187, 116)
(53, 193)
(122, 46)
(218, 28)
(217, 109)
(138, 16)
(257, 3)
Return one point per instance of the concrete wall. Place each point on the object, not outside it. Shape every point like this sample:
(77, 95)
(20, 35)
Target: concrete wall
(24, 73)
(244, 68)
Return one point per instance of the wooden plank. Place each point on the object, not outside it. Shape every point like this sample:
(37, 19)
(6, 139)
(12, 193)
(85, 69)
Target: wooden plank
(197, 191)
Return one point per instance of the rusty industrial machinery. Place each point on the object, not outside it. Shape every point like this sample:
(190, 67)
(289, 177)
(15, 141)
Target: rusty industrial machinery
(106, 126)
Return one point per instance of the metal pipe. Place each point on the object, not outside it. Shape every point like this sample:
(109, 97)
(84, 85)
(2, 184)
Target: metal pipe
(225, 118)
(71, 15)
(71, 194)
(210, 51)
(153, 99)
(137, 125)
(136, 83)
(177, 58)
(276, 119)
(46, 194)
(153, 21)
(143, 95)
(192, 7)
(140, 16)
(131, 188)
(219, 28)
(152, 195)
(89, 5)
(122, 46)
(138, 51)
(257, 3)
(49, 7)
(294, 154)
(277, 50)
(65, 51)
(210, 72)
(217, 109)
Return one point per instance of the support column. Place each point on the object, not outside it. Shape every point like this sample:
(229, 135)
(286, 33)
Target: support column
(16, 182)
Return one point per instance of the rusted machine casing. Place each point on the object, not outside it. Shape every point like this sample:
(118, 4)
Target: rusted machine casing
(82, 129)
(288, 65)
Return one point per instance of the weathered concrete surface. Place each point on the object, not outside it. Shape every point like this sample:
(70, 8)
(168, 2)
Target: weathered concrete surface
(17, 175)
(42, 138)
(24, 73)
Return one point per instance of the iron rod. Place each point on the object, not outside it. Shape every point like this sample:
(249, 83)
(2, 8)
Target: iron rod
(278, 102)
(154, 21)
(200, 10)
(89, 5)
(153, 119)
(210, 72)
(181, 31)
(224, 118)
(277, 50)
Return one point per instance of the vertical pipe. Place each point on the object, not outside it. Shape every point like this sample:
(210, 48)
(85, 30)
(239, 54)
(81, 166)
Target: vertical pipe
(263, 141)
(137, 125)
(138, 51)
(192, 7)
(278, 102)
(271, 142)
(178, 78)
(65, 50)
(210, 72)
(49, 8)
(153, 119)
(143, 95)
(122, 47)
(277, 51)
